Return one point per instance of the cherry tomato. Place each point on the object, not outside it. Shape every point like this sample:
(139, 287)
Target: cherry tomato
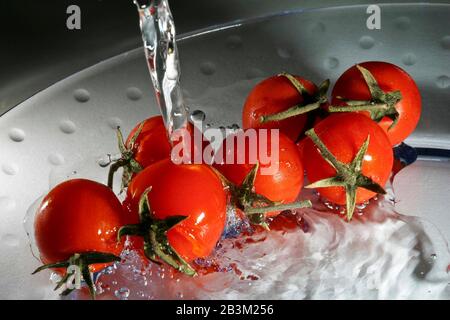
(152, 143)
(271, 96)
(282, 183)
(188, 190)
(344, 134)
(351, 85)
(78, 216)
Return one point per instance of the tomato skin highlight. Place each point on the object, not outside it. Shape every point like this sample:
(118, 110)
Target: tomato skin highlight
(352, 86)
(188, 190)
(78, 216)
(344, 134)
(273, 95)
(283, 185)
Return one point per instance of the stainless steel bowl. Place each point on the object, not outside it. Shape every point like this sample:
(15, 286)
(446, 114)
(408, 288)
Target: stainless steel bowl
(74, 119)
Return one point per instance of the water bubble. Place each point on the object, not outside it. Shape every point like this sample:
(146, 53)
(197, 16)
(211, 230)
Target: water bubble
(7, 204)
(234, 42)
(403, 23)
(445, 42)
(443, 82)
(366, 42)
(331, 63)
(104, 161)
(114, 123)
(82, 95)
(409, 59)
(16, 135)
(284, 53)
(56, 159)
(316, 28)
(109, 270)
(208, 68)
(55, 277)
(254, 73)
(10, 169)
(67, 127)
(134, 93)
(122, 293)
(198, 116)
(10, 240)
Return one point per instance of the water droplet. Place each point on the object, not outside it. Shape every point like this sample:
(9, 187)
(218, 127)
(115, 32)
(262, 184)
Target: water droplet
(434, 256)
(109, 270)
(366, 42)
(10, 169)
(234, 42)
(16, 135)
(7, 204)
(10, 240)
(403, 23)
(104, 161)
(56, 159)
(198, 116)
(82, 95)
(331, 63)
(114, 122)
(409, 59)
(445, 42)
(443, 82)
(122, 293)
(134, 93)
(284, 53)
(55, 277)
(208, 68)
(67, 127)
(254, 73)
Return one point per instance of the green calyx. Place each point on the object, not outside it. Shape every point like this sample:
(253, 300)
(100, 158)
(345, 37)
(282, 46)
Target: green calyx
(81, 262)
(154, 233)
(310, 103)
(254, 205)
(349, 176)
(382, 104)
(127, 161)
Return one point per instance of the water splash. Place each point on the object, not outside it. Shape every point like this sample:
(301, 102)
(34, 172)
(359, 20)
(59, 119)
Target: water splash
(158, 34)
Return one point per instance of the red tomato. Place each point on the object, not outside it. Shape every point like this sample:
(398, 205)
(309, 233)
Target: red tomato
(283, 183)
(274, 95)
(344, 134)
(78, 216)
(352, 86)
(152, 144)
(188, 190)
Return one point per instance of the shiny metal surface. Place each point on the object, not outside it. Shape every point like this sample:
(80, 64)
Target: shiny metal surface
(38, 50)
(73, 120)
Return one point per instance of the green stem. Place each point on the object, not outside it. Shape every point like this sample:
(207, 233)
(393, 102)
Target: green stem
(281, 207)
(113, 169)
(362, 107)
(291, 112)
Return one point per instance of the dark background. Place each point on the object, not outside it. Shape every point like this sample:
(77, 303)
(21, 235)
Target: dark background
(36, 48)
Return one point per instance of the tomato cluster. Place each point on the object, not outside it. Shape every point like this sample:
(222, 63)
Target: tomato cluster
(176, 213)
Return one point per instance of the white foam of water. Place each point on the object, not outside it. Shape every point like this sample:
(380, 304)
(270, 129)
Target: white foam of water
(379, 255)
